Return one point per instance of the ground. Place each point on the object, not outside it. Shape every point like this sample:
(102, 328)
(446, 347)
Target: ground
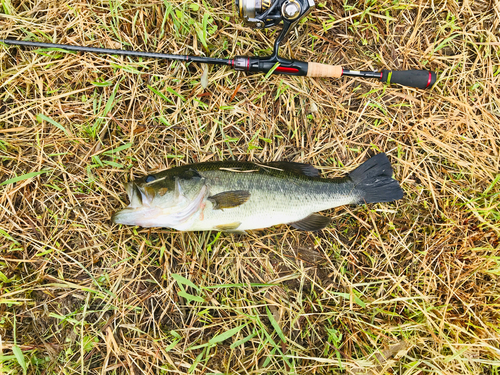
(409, 287)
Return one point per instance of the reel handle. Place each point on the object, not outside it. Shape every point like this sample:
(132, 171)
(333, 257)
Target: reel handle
(324, 70)
(421, 79)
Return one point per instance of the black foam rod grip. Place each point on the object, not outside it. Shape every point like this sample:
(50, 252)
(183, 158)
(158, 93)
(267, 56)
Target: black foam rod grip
(421, 79)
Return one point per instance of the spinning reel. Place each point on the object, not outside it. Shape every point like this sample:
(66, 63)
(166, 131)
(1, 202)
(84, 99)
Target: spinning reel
(262, 14)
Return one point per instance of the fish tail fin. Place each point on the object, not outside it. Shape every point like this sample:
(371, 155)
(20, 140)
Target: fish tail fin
(374, 180)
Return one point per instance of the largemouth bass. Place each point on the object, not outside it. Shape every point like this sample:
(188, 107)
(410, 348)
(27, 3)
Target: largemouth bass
(238, 196)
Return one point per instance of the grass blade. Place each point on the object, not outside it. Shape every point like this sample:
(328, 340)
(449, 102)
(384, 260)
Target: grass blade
(23, 177)
(226, 335)
(182, 280)
(40, 117)
(20, 357)
(190, 297)
(118, 149)
(275, 325)
(347, 296)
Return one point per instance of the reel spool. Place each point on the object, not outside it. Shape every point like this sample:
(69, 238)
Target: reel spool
(267, 13)
(262, 14)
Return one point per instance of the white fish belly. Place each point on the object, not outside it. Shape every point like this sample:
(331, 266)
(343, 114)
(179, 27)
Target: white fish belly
(253, 214)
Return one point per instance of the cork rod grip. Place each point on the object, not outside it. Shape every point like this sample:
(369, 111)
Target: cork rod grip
(323, 70)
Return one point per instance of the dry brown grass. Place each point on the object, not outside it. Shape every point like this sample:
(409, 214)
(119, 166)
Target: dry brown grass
(404, 288)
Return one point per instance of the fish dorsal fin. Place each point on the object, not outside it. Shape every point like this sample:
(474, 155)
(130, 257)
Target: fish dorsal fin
(311, 223)
(229, 199)
(297, 168)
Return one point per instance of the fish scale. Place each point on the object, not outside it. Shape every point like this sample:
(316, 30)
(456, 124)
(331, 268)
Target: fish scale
(273, 199)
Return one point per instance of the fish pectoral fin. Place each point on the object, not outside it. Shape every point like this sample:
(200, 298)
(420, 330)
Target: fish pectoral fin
(296, 168)
(229, 199)
(231, 227)
(311, 223)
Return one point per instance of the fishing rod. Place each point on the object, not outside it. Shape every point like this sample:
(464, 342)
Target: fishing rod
(262, 14)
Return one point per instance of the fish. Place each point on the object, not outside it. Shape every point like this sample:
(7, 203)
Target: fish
(232, 196)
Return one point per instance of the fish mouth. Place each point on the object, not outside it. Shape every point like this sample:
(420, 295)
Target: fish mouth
(135, 216)
(143, 212)
(139, 209)
(134, 194)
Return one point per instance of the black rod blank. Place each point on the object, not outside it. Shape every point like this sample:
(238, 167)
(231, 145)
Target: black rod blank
(122, 52)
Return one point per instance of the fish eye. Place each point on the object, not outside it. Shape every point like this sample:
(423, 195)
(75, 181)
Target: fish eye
(150, 178)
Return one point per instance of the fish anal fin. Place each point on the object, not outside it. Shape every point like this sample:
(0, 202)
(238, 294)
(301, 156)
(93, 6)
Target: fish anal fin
(229, 199)
(311, 223)
(297, 168)
(231, 227)
(238, 232)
